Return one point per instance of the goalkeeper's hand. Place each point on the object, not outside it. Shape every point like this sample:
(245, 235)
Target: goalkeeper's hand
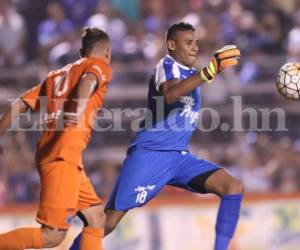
(226, 57)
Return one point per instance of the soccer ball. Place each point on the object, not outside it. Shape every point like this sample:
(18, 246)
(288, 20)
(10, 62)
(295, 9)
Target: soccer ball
(288, 81)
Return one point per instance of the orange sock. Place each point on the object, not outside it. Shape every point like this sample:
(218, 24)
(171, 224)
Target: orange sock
(91, 239)
(22, 238)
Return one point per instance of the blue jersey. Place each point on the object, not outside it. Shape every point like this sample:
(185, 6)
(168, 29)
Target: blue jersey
(168, 126)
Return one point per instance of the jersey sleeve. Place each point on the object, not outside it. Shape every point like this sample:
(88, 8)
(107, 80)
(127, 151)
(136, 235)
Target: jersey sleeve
(102, 71)
(31, 97)
(166, 70)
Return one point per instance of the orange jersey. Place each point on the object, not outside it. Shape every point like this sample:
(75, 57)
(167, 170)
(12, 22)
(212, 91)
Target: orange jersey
(57, 97)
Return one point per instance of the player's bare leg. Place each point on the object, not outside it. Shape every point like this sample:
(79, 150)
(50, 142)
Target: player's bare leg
(113, 217)
(52, 237)
(231, 192)
(222, 183)
(36, 238)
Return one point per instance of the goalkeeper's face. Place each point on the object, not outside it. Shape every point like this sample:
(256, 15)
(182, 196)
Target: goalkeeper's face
(185, 47)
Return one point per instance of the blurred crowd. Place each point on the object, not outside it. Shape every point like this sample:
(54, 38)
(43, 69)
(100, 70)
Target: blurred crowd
(48, 33)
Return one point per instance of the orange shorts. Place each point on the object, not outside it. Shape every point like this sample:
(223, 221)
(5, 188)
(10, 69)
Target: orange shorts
(65, 189)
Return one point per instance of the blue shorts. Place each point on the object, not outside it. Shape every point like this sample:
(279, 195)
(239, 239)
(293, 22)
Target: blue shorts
(145, 173)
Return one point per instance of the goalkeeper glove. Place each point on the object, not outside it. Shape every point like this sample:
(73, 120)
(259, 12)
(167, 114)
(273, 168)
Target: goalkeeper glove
(226, 57)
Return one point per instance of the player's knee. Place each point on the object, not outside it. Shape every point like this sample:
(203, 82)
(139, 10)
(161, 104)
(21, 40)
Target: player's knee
(109, 227)
(113, 218)
(52, 237)
(94, 216)
(235, 187)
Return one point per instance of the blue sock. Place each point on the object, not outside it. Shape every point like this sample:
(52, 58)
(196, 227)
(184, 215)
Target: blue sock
(228, 216)
(76, 243)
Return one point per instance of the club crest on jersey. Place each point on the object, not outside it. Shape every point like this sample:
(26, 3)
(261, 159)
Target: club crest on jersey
(189, 103)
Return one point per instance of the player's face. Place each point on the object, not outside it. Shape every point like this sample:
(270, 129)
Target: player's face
(186, 47)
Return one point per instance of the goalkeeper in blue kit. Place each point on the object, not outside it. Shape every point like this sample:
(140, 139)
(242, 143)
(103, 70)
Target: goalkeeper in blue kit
(159, 153)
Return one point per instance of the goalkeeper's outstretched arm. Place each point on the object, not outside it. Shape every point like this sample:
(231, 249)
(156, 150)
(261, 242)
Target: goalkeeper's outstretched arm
(223, 58)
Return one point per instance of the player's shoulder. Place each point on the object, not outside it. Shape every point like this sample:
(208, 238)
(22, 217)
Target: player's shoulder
(163, 65)
(67, 67)
(87, 62)
(100, 65)
(167, 60)
(169, 63)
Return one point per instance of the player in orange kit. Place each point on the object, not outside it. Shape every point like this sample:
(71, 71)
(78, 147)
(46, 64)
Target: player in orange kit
(70, 97)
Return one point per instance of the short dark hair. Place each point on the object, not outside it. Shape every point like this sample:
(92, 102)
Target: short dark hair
(90, 37)
(171, 32)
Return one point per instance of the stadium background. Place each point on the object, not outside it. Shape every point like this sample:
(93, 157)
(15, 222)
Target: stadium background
(36, 36)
